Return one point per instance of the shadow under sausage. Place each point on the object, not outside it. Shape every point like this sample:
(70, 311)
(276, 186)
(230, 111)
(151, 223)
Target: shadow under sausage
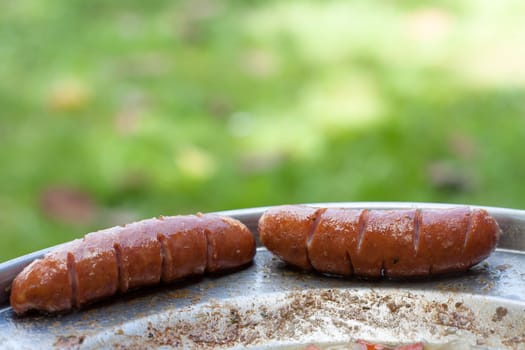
(482, 270)
(178, 288)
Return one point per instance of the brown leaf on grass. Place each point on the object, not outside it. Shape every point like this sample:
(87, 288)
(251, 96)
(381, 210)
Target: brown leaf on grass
(67, 205)
(447, 176)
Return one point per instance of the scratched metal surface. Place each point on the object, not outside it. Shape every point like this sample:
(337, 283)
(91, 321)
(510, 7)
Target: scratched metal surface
(268, 305)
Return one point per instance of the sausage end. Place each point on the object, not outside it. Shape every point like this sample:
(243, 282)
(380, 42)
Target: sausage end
(43, 285)
(285, 230)
(230, 243)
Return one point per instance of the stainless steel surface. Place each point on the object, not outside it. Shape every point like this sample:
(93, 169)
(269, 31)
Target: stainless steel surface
(171, 312)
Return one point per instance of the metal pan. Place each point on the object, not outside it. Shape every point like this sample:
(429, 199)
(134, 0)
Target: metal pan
(268, 305)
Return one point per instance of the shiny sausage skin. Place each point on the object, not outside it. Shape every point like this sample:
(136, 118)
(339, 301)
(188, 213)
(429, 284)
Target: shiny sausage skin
(379, 243)
(123, 258)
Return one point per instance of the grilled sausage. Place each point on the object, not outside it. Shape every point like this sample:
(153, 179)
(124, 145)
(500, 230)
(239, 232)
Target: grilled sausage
(123, 258)
(379, 243)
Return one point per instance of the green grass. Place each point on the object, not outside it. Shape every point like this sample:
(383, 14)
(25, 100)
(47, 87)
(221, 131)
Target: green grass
(151, 108)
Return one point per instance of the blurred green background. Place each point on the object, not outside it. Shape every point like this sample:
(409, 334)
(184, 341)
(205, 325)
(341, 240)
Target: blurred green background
(112, 111)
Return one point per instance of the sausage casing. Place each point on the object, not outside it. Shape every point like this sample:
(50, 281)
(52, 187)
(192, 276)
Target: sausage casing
(379, 243)
(123, 258)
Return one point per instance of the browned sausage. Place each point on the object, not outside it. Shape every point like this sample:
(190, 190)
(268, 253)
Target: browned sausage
(126, 257)
(375, 243)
